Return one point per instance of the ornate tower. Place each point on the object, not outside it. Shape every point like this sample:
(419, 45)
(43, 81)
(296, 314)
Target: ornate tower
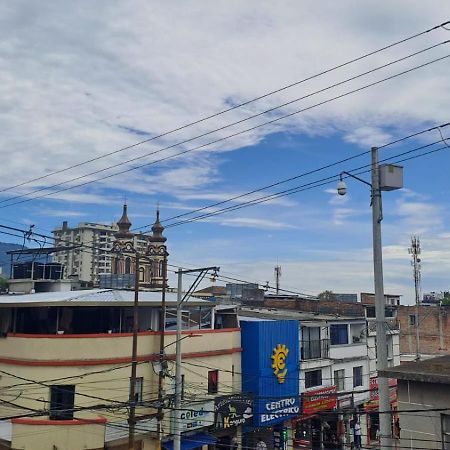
(123, 263)
(157, 253)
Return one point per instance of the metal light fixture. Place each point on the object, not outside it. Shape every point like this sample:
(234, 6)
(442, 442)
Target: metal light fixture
(341, 187)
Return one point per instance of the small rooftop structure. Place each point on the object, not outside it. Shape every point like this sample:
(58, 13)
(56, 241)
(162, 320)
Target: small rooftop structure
(211, 291)
(435, 370)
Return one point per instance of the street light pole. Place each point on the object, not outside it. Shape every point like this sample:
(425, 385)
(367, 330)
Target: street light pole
(392, 179)
(383, 383)
(178, 379)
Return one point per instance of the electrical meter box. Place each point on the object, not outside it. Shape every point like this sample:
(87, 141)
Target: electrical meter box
(391, 177)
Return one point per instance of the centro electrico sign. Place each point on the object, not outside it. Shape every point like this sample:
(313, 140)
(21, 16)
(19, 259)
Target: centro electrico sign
(280, 410)
(270, 369)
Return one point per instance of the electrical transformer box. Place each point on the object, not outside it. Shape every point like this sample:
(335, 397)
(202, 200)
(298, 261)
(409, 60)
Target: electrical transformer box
(391, 177)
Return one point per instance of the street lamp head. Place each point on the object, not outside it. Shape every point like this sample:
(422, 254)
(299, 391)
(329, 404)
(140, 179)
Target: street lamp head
(341, 188)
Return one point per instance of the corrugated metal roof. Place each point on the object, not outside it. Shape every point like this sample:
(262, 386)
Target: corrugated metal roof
(94, 297)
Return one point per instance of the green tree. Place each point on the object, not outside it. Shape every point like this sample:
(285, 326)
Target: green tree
(327, 295)
(3, 284)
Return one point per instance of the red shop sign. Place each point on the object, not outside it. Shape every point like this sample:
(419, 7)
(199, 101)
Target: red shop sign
(319, 400)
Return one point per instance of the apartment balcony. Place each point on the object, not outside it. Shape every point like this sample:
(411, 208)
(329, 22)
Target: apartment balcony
(316, 349)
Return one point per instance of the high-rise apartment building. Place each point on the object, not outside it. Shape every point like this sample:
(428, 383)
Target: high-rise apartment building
(93, 258)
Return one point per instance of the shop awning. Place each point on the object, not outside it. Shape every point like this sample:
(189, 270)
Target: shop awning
(189, 442)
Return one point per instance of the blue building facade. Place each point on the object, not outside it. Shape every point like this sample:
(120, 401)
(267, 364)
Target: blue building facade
(271, 370)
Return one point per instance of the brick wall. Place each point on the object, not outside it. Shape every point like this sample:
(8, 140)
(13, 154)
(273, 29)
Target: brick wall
(434, 330)
(317, 306)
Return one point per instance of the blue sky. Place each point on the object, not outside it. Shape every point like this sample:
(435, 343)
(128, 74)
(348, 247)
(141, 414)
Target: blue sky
(80, 83)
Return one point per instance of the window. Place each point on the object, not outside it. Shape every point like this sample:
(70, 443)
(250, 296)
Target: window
(128, 265)
(412, 319)
(62, 399)
(339, 379)
(311, 344)
(213, 381)
(339, 334)
(357, 376)
(313, 378)
(138, 385)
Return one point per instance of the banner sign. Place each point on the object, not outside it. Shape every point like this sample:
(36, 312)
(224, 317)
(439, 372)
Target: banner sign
(374, 401)
(233, 410)
(319, 400)
(196, 415)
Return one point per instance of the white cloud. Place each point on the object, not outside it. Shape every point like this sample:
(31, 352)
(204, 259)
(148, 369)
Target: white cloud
(60, 213)
(265, 224)
(368, 136)
(83, 84)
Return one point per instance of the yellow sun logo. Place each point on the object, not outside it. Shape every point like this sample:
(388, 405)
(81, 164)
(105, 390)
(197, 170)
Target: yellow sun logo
(279, 356)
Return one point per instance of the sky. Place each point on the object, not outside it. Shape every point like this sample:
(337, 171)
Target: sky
(84, 80)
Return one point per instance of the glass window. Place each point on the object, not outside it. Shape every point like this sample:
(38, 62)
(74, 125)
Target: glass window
(339, 379)
(412, 319)
(213, 381)
(339, 334)
(357, 376)
(62, 399)
(313, 378)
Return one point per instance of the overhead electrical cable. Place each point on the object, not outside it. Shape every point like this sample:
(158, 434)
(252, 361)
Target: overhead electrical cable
(234, 107)
(224, 138)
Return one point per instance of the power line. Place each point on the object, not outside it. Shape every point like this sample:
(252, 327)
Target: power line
(211, 142)
(296, 189)
(304, 174)
(240, 105)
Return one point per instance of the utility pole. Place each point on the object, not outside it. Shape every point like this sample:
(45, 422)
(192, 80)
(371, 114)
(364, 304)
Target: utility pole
(383, 383)
(178, 379)
(162, 328)
(132, 398)
(277, 278)
(414, 251)
(388, 179)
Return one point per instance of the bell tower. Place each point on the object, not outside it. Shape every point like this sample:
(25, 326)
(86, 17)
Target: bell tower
(157, 253)
(123, 263)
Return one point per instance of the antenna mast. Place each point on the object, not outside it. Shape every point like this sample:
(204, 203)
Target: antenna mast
(277, 278)
(414, 251)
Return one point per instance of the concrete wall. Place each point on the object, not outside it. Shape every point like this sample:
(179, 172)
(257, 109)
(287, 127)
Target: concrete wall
(73, 437)
(422, 429)
(434, 330)
(99, 367)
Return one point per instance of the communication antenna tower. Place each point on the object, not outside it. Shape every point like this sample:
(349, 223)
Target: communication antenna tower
(414, 251)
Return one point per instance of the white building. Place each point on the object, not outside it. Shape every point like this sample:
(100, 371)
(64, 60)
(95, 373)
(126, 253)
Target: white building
(93, 258)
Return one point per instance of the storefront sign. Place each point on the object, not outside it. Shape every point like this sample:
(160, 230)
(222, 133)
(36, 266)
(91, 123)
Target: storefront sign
(345, 401)
(374, 401)
(270, 369)
(196, 415)
(319, 400)
(233, 410)
(280, 409)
